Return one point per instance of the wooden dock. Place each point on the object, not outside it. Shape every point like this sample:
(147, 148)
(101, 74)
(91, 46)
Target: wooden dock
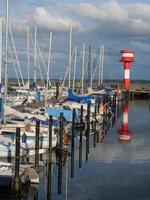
(140, 94)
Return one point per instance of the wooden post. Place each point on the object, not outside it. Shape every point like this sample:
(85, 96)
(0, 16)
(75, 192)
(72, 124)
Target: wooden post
(57, 90)
(61, 130)
(37, 145)
(80, 145)
(72, 142)
(94, 139)
(50, 123)
(88, 131)
(49, 160)
(48, 181)
(17, 162)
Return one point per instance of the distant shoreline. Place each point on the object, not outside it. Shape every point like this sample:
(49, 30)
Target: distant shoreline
(77, 80)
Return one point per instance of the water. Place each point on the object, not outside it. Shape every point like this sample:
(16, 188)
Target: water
(116, 169)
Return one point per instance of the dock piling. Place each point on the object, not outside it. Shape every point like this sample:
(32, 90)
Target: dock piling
(48, 180)
(17, 162)
(94, 139)
(61, 130)
(37, 145)
(88, 130)
(72, 142)
(57, 90)
(80, 142)
(50, 122)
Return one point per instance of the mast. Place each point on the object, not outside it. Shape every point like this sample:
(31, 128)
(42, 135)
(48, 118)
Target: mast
(70, 53)
(102, 63)
(48, 67)
(1, 26)
(28, 56)
(17, 76)
(83, 63)
(89, 67)
(13, 43)
(35, 35)
(75, 65)
(91, 81)
(6, 57)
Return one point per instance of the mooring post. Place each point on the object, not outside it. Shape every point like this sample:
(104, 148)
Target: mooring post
(98, 111)
(57, 90)
(37, 133)
(88, 130)
(72, 141)
(95, 134)
(36, 196)
(50, 123)
(48, 180)
(103, 118)
(49, 160)
(98, 105)
(80, 144)
(17, 184)
(61, 130)
(114, 109)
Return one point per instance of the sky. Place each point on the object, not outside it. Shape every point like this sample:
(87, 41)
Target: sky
(118, 24)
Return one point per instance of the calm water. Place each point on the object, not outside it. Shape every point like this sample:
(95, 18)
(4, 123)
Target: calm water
(115, 170)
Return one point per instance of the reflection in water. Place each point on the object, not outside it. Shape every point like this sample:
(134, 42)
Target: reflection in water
(124, 132)
(48, 180)
(113, 171)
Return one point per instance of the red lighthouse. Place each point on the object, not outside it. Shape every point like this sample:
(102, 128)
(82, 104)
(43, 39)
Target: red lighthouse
(124, 132)
(127, 58)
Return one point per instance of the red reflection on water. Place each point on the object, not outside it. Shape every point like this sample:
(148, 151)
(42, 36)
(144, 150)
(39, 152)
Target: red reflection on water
(124, 132)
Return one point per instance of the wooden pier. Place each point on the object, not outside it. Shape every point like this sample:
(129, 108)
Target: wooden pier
(140, 94)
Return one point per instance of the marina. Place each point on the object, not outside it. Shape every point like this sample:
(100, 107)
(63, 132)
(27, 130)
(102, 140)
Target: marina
(82, 136)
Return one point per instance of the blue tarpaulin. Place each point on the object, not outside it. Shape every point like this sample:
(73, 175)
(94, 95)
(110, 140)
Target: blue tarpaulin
(73, 97)
(55, 112)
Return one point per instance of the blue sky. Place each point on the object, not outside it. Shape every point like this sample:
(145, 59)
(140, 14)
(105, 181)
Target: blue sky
(121, 24)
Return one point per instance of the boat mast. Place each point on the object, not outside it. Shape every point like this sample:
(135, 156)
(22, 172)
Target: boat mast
(70, 53)
(28, 56)
(102, 63)
(1, 26)
(92, 77)
(17, 76)
(6, 57)
(89, 67)
(13, 43)
(35, 35)
(48, 67)
(75, 65)
(83, 63)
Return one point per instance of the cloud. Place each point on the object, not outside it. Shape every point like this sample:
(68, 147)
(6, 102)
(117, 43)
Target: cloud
(111, 11)
(53, 21)
(48, 18)
(130, 19)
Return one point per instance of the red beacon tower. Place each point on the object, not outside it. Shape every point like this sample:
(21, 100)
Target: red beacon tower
(127, 58)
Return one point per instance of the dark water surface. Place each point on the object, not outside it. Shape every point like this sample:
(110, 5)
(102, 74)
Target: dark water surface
(115, 170)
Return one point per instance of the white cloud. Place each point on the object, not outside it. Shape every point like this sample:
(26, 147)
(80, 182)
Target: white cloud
(130, 19)
(46, 18)
(52, 20)
(111, 11)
